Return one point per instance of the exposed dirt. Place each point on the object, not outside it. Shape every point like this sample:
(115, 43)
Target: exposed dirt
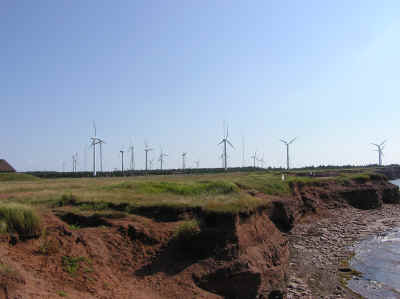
(230, 256)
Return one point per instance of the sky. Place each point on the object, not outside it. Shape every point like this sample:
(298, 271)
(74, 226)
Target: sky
(171, 73)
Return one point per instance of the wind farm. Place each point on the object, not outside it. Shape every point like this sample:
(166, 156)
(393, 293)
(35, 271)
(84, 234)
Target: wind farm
(199, 149)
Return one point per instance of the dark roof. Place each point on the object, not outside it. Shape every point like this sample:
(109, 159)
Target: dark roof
(5, 167)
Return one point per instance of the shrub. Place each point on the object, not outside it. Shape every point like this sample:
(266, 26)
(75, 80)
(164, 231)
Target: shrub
(72, 264)
(20, 219)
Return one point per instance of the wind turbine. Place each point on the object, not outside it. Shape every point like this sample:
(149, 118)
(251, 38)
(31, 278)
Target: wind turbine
(184, 160)
(146, 150)
(100, 142)
(254, 157)
(197, 163)
(262, 161)
(225, 141)
(95, 140)
(132, 150)
(161, 158)
(74, 162)
(379, 149)
(122, 161)
(287, 150)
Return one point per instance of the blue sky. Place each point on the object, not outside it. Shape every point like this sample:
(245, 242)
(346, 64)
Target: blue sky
(170, 72)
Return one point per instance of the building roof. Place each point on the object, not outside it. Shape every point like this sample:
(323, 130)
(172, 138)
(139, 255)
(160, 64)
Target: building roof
(5, 167)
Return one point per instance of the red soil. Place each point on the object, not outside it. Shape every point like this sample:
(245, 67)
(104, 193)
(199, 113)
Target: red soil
(233, 256)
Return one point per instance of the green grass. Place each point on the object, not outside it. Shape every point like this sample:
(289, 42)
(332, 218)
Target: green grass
(184, 189)
(14, 176)
(72, 264)
(219, 192)
(187, 230)
(17, 218)
(62, 294)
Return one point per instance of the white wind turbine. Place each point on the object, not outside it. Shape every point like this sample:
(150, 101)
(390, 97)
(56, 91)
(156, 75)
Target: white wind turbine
(287, 151)
(262, 161)
(379, 149)
(161, 157)
(94, 140)
(147, 149)
(184, 160)
(132, 151)
(225, 141)
(254, 157)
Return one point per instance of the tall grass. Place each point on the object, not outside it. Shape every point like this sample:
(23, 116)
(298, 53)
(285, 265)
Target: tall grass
(20, 219)
(183, 189)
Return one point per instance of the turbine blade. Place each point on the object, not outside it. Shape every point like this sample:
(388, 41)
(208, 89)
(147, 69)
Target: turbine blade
(230, 144)
(221, 141)
(292, 140)
(285, 142)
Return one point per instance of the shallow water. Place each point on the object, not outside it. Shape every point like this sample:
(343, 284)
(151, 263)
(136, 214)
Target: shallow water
(378, 259)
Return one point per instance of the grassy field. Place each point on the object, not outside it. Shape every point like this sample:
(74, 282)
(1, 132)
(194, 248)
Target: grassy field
(223, 192)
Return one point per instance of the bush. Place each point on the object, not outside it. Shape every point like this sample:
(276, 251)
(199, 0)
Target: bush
(20, 219)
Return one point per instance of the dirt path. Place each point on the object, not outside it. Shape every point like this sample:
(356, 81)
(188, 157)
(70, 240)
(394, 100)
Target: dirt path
(318, 249)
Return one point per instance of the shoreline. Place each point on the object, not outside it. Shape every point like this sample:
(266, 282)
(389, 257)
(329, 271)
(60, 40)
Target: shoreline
(321, 247)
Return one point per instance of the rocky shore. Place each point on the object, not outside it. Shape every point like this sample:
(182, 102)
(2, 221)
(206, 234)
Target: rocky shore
(320, 249)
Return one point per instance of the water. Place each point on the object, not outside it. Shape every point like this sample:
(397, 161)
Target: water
(378, 259)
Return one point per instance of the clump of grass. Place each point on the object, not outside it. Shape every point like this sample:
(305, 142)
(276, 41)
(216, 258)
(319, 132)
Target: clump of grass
(72, 264)
(62, 294)
(47, 245)
(20, 219)
(74, 226)
(13, 176)
(7, 270)
(187, 230)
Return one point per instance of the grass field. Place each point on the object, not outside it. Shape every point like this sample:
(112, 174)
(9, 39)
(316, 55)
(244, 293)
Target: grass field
(223, 192)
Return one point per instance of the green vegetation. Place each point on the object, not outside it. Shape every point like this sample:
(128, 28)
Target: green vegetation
(187, 230)
(62, 294)
(17, 218)
(231, 192)
(6, 270)
(14, 176)
(184, 189)
(72, 264)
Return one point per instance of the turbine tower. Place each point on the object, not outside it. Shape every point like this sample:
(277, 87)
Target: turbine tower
(100, 142)
(122, 161)
(254, 157)
(94, 141)
(184, 160)
(146, 150)
(161, 158)
(74, 162)
(379, 149)
(197, 163)
(225, 140)
(132, 150)
(287, 151)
